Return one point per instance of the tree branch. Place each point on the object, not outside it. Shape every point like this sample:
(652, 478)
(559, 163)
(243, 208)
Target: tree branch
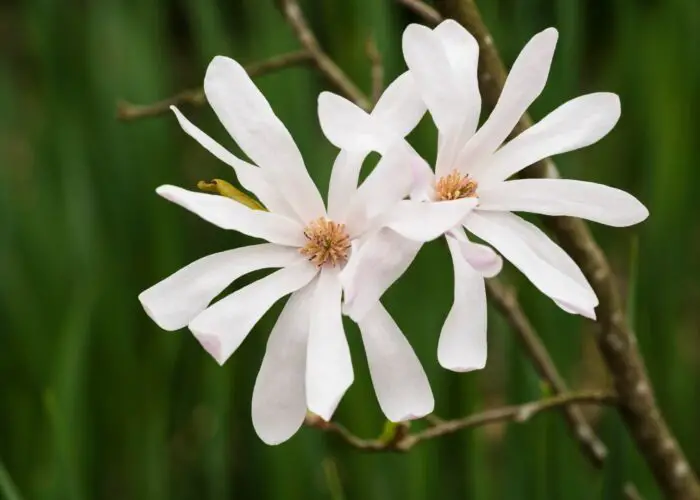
(377, 68)
(129, 111)
(616, 339)
(515, 414)
(295, 18)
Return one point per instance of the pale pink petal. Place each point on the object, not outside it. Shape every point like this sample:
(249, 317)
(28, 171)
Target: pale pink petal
(587, 200)
(481, 258)
(328, 365)
(175, 301)
(222, 327)
(229, 214)
(343, 183)
(347, 126)
(402, 388)
(425, 221)
(248, 117)
(462, 344)
(279, 395)
(400, 107)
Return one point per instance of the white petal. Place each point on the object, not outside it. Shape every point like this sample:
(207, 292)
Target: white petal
(328, 366)
(389, 182)
(446, 97)
(552, 253)
(497, 228)
(481, 258)
(251, 177)
(462, 51)
(373, 268)
(587, 200)
(229, 214)
(402, 388)
(575, 124)
(425, 221)
(400, 107)
(222, 327)
(175, 301)
(343, 183)
(248, 117)
(525, 82)
(347, 126)
(462, 344)
(279, 395)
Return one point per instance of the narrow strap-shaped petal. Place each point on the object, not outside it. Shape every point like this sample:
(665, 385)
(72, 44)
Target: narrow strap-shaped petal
(402, 387)
(502, 231)
(462, 344)
(251, 177)
(575, 124)
(279, 395)
(175, 301)
(525, 82)
(381, 259)
(400, 106)
(343, 184)
(482, 258)
(446, 97)
(587, 200)
(248, 117)
(228, 214)
(222, 327)
(347, 126)
(427, 220)
(328, 364)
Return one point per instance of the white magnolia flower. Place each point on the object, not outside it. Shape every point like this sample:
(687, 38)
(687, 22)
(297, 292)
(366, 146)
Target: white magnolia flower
(474, 164)
(307, 362)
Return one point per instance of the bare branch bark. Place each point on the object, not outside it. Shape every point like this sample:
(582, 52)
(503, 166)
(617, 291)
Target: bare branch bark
(514, 414)
(129, 111)
(616, 340)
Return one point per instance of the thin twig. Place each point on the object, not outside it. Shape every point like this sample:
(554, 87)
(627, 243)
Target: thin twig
(377, 68)
(616, 340)
(295, 17)
(129, 111)
(425, 11)
(505, 300)
(515, 414)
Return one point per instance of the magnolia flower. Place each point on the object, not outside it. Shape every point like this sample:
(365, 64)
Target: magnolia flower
(475, 165)
(307, 362)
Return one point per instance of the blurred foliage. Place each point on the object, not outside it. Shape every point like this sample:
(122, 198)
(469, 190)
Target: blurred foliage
(97, 402)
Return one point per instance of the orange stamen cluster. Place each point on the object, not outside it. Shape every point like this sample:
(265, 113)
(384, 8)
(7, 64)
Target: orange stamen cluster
(455, 186)
(328, 242)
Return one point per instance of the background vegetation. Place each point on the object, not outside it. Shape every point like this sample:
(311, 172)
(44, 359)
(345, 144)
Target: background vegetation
(96, 402)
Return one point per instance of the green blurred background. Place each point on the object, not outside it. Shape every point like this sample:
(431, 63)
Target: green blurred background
(97, 402)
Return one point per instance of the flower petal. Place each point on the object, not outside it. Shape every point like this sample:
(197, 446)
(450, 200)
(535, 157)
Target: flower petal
(481, 258)
(222, 327)
(425, 221)
(251, 177)
(373, 268)
(525, 82)
(402, 388)
(279, 395)
(343, 184)
(400, 107)
(446, 97)
(175, 301)
(328, 364)
(587, 200)
(347, 126)
(248, 117)
(228, 214)
(500, 230)
(575, 124)
(462, 344)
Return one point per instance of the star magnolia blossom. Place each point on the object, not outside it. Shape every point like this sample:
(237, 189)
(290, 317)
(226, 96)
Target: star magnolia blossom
(475, 165)
(307, 362)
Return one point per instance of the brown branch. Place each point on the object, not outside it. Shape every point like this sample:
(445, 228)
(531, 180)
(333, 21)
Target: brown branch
(505, 300)
(377, 68)
(129, 111)
(295, 17)
(616, 340)
(515, 414)
(425, 11)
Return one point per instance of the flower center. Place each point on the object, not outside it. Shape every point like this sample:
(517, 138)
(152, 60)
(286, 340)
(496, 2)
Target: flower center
(327, 242)
(455, 186)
